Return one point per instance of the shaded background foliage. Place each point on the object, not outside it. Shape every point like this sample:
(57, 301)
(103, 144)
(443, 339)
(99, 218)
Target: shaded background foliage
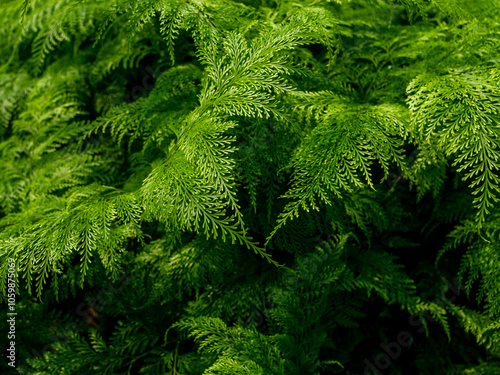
(251, 187)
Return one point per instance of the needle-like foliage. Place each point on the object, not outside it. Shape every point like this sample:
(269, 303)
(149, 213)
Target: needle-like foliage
(251, 187)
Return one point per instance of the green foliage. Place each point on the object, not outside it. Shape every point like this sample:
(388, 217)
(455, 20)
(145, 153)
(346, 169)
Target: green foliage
(457, 114)
(251, 187)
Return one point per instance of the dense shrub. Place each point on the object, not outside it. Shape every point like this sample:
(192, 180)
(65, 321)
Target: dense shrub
(250, 187)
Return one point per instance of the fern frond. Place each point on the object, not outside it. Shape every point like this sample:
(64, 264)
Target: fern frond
(337, 155)
(458, 113)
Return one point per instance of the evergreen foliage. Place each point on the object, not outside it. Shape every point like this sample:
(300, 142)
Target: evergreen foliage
(251, 187)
